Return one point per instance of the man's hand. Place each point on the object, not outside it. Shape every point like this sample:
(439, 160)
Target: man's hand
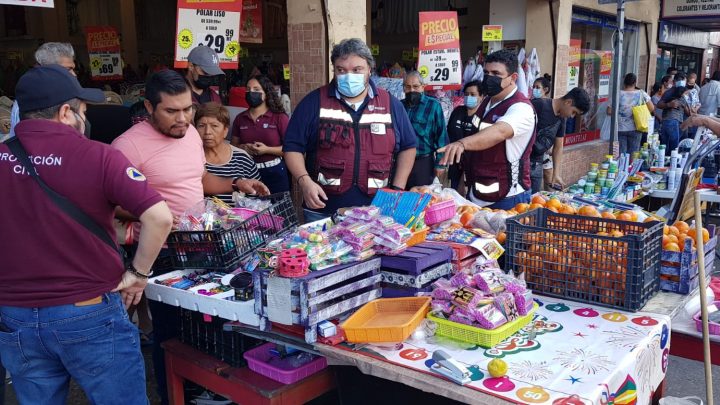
(557, 181)
(252, 187)
(693, 121)
(313, 194)
(247, 147)
(131, 288)
(452, 153)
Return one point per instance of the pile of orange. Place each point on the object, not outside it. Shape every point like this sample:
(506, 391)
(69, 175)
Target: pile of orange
(674, 236)
(538, 201)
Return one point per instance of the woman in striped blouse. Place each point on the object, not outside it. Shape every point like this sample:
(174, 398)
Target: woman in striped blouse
(212, 121)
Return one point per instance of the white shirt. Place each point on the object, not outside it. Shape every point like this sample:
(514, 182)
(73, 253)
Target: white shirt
(709, 98)
(521, 118)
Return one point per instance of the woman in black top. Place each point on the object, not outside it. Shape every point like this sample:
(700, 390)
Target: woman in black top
(464, 122)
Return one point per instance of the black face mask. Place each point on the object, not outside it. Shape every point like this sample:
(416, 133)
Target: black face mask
(88, 128)
(413, 98)
(690, 86)
(253, 98)
(203, 82)
(492, 85)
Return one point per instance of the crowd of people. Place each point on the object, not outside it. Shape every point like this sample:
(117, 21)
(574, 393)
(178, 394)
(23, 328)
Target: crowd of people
(344, 141)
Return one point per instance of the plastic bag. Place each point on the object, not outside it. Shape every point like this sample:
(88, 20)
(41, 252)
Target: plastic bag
(605, 129)
(681, 401)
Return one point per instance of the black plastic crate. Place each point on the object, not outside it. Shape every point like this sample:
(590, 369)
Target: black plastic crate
(223, 250)
(595, 260)
(206, 334)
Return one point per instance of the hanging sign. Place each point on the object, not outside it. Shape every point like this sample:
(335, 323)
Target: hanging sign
(214, 24)
(574, 64)
(439, 50)
(606, 59)
(690, 8)
(286, 72)
(103, 44)
(251, 27)
(492, 33)
(31, 3)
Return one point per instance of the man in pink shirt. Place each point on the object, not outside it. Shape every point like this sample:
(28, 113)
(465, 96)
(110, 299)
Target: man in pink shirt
(169, 153)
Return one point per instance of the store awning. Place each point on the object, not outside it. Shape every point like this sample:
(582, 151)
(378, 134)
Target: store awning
(701, 15)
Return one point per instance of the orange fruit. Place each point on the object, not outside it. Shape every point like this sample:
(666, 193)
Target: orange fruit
(624, 216)
(608, 215)
(682, 226)
(522, 207)
(671, 239)
(681, 240)
(603, 234)
(554, 203)
(673, 247)
(567, 209)
(538, 199)
(674, 231)
(466, 218)
(666, 230)
(692, 232)
(665, 239)
(633, 215)
(535, 206)
(501, 237)
(617, 234)
(553, 209)
(650, 219)
(589, 211)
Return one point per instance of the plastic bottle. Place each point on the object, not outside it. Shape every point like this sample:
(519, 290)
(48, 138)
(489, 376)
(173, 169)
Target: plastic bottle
(673, 159)
(671, 179)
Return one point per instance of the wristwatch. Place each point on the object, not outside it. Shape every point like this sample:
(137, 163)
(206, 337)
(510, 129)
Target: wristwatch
(396, 188)
(132, 270)
(234, 184)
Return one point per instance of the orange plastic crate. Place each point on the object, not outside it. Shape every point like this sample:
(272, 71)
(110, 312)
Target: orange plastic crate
(386, 320)
(418, 237)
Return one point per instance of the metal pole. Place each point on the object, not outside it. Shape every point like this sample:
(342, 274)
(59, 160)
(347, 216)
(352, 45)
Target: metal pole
(617, 71)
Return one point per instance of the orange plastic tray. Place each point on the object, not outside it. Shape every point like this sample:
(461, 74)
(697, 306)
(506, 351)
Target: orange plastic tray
(386, 320)
(418, 237)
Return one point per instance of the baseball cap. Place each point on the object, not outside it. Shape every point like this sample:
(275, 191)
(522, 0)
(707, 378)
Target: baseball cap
(49, 85)
(207, 59)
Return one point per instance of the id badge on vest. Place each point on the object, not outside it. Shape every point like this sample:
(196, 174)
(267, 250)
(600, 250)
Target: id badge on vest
(377, 129)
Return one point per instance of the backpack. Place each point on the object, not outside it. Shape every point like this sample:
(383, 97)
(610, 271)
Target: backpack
(545, 137)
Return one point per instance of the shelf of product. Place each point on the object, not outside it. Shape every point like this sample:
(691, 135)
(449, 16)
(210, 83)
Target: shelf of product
(679, 268)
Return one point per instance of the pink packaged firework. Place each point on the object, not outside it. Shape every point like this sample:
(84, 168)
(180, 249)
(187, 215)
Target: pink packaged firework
(482, 263)
(468, 297)
(443, 306)
(489, 317)
(490, 281)
(523, 301)
(363, 213)
(462, 279)
(443, 293)
(462, 318)
(505, 302)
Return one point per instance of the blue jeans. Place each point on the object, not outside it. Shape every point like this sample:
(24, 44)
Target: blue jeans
(508, 203)
(97, 345)
(670, 135)
(629, 141)
(276, 178)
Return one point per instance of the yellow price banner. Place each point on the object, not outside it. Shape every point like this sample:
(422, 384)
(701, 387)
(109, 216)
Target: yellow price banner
(286, 72)
(492, 33)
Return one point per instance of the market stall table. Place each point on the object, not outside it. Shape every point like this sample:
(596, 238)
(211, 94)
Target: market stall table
(238, 384)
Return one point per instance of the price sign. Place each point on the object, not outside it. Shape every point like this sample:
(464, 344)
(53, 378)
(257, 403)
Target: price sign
(286, 72)
(439, 50)
(105, 66)
(375, 49)
(492, 33)
(103, 44)
(212, 24)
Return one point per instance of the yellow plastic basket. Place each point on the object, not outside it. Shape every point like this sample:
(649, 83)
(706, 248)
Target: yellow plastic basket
(386, 320)
(483, 337)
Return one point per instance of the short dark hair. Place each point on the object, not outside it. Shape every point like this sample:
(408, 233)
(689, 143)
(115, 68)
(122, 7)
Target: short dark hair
(165, 81)
(716, 76)
(630, 79)
(655, 88)
(49, 113)
(670, 69)
(680, 76)
(666, 79)
(213, 110)
(580, 99)
(476, 83)
(506, 57)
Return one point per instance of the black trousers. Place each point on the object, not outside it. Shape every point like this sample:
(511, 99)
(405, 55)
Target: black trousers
(423, 172)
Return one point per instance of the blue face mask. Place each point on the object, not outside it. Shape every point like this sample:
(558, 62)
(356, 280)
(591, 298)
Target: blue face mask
(537, 93)
(471, 101)
(350, 84)
(680, 83)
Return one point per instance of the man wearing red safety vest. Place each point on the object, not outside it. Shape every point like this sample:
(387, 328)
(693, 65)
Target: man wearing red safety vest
(496, 159)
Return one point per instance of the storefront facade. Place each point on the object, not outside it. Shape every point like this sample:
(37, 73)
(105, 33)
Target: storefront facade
(683, 48)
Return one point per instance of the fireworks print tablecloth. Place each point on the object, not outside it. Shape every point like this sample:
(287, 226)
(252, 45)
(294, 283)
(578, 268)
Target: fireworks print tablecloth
(580, 355)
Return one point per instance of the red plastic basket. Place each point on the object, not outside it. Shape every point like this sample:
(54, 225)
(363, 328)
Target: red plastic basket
(259, 358)
(440, 212)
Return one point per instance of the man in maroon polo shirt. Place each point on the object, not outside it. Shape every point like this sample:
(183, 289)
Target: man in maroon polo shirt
(62, 289)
